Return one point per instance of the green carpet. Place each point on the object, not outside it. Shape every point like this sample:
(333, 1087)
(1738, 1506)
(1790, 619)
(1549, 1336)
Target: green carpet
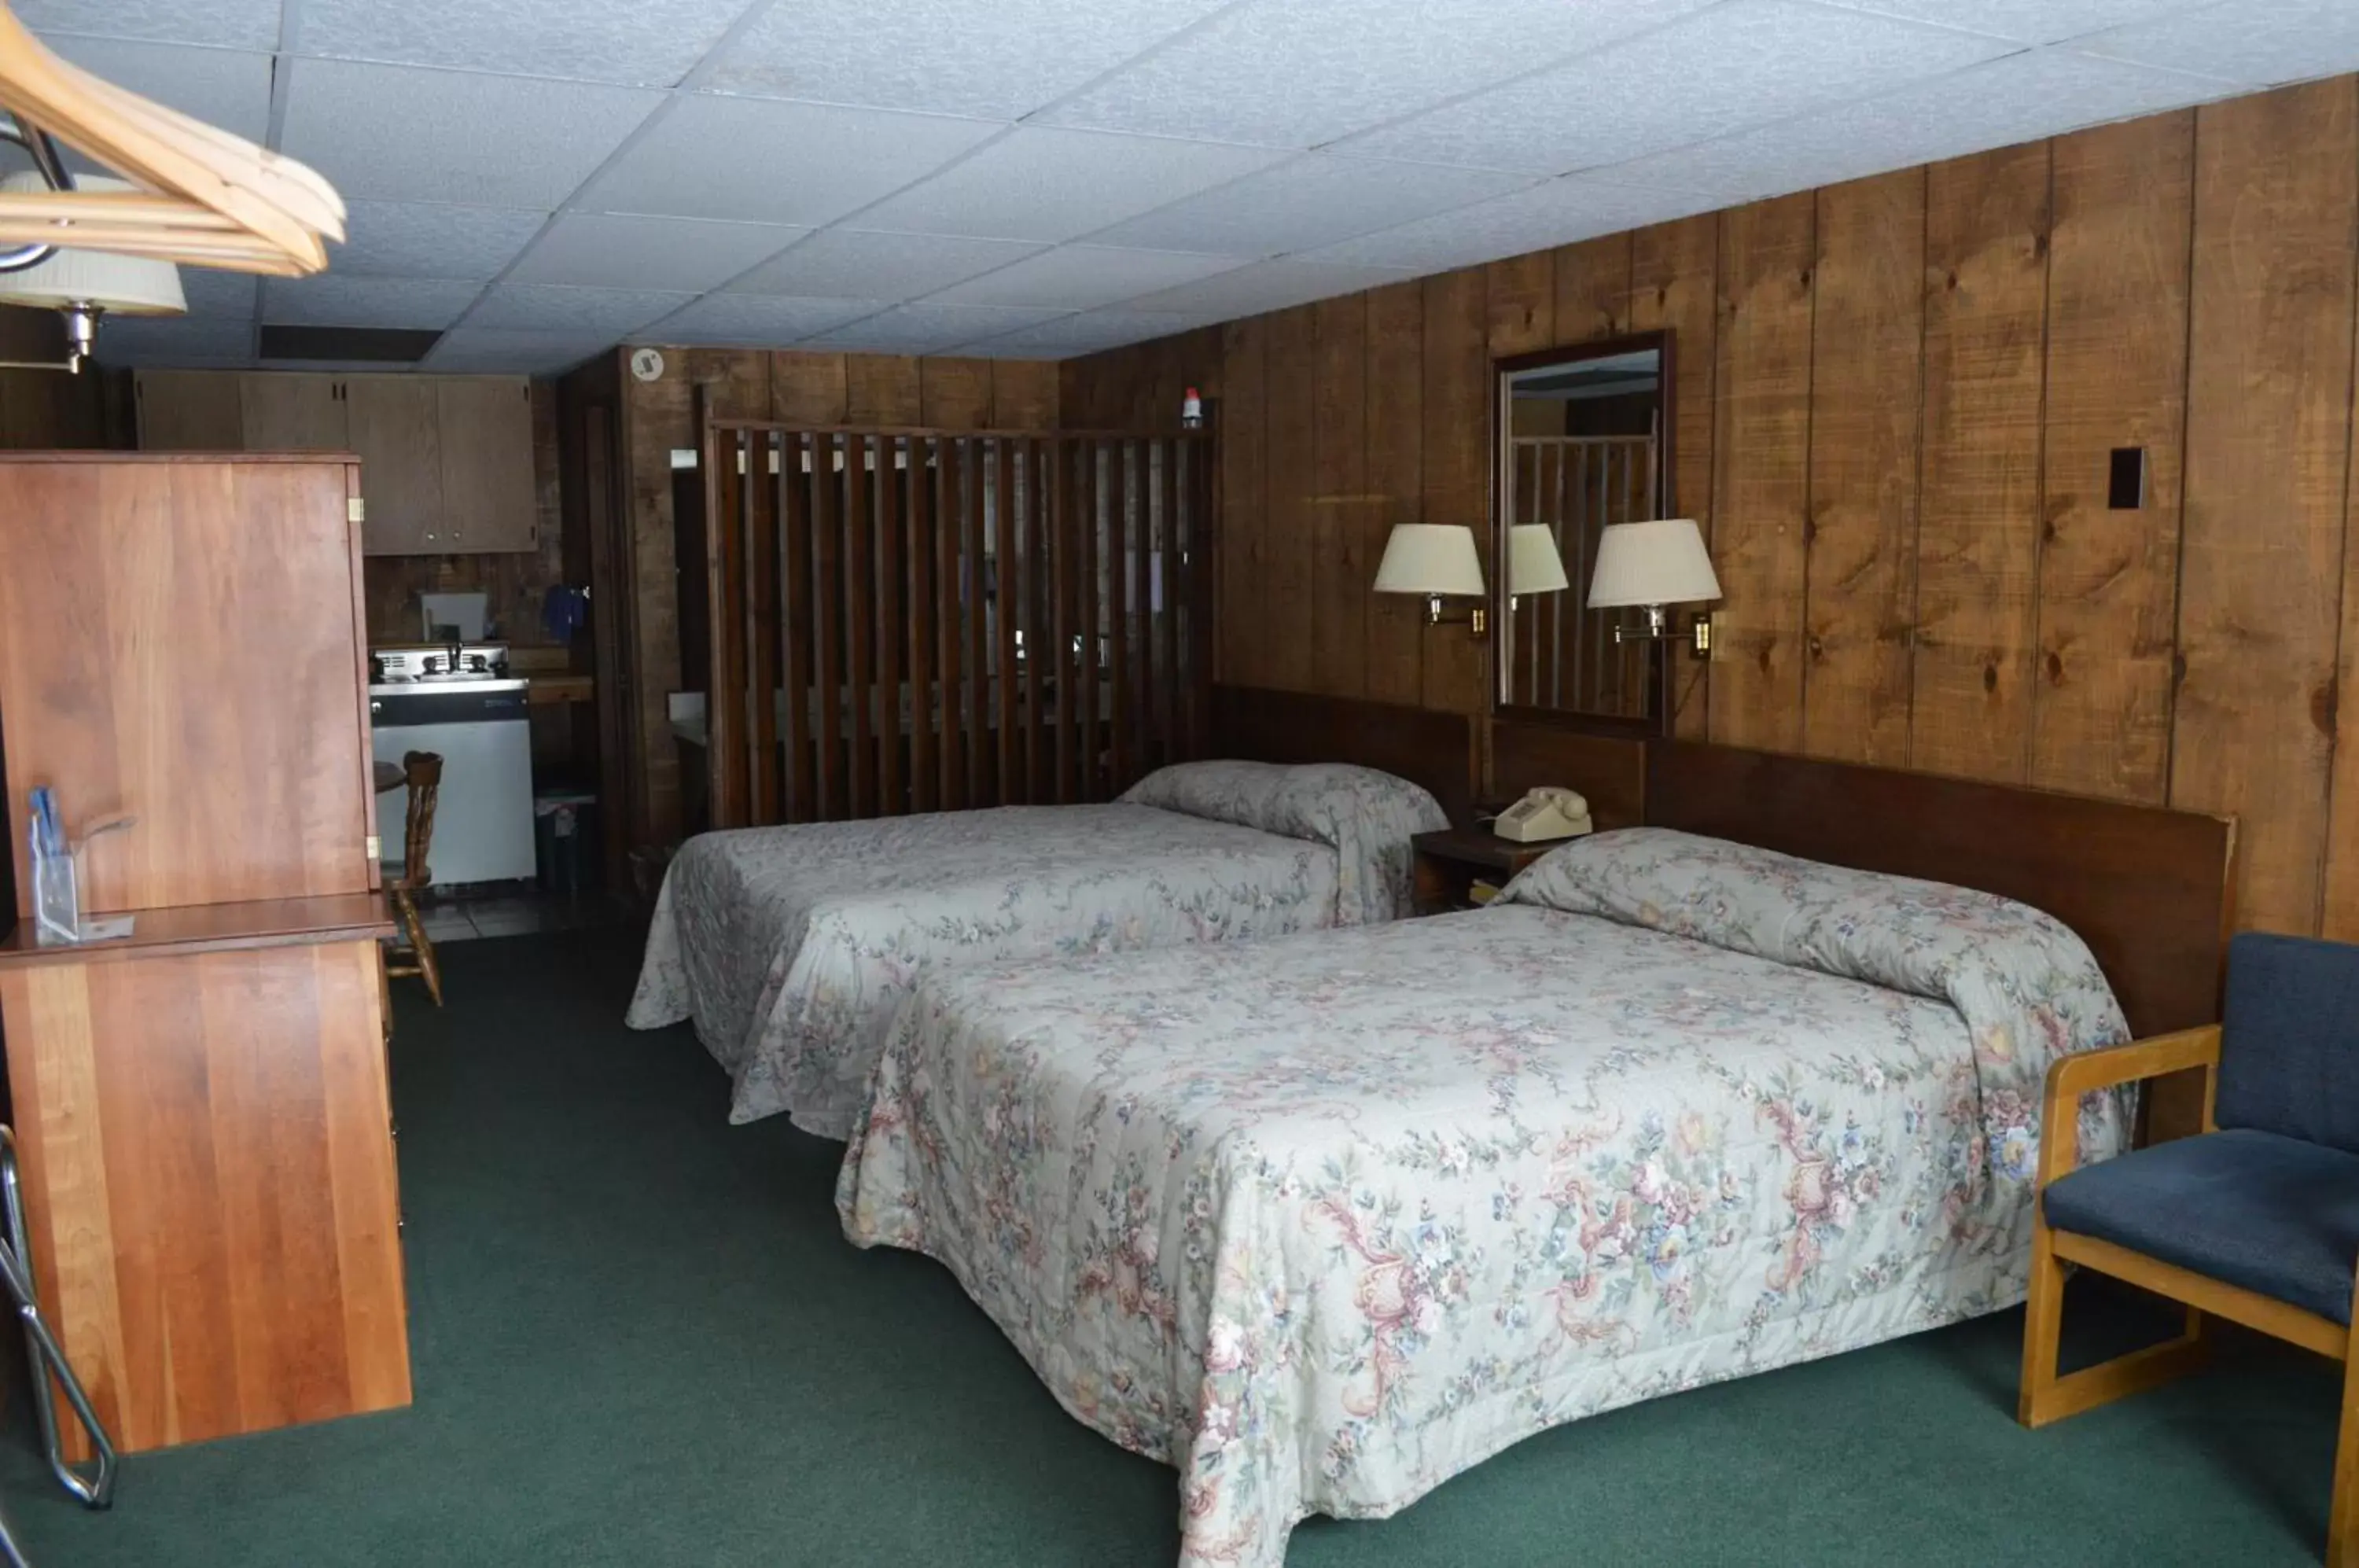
(640, 1339)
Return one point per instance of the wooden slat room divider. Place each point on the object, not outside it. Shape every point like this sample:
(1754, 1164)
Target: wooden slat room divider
(1562, 653)
(916, 620)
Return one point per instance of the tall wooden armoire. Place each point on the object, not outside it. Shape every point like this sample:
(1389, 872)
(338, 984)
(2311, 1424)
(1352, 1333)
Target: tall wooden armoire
(202, 1106)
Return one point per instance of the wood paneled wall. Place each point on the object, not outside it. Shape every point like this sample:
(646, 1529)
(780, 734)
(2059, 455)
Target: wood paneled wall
(1896, 402)
(809, 390)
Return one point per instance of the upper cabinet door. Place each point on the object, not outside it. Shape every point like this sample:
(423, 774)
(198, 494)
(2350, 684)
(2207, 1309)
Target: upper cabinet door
(488, 494)
(188, 410)
(293, 413)
(394, 422)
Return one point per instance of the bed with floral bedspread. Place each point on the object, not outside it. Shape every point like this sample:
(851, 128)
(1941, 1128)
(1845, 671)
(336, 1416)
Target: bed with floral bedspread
(1325, 1221)
(791, 947)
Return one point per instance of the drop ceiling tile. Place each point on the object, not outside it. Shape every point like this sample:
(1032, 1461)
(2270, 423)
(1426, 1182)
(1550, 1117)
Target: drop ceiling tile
(771, 162)
(928, 328)
(329, 300)
(612, 251)
(1311, 201)
(429, 239)
(229, 296)
(228, 88)
(484, 351)
(555, 307)
(1299, 73)
(999, 62)
(1084, 277)
(2024, 21)
(174, 340)
(403, 133)
(1264, 286)
(755, 320)
(1743, 64)
(1040, 184)
(2258, 42)
(642, 43)
(1084, 334)
(1554, 214)
(851, 263)
(2019, 98)
(225, 24)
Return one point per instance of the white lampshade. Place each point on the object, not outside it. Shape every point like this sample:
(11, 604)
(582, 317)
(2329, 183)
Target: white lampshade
(1658, 562)
(1533, 564)
(119, 285)
(1430, 558)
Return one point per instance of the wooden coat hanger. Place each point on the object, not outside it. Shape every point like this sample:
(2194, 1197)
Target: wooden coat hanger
(209, 199)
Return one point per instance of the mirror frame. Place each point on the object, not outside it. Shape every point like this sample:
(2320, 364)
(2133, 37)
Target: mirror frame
(1656, 721)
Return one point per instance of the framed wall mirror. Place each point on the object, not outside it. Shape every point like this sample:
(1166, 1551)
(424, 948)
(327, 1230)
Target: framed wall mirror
(1583, 440)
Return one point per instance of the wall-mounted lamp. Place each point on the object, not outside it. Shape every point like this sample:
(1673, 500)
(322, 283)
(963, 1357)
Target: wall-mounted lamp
(1439, 561)
(1655, 565)
(1534, 565)
(86, 285)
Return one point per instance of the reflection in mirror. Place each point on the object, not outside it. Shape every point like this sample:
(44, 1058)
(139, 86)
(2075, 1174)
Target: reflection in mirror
(1583, 446)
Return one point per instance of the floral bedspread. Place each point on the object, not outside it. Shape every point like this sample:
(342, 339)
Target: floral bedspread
(791, 947)
(1325, 1221)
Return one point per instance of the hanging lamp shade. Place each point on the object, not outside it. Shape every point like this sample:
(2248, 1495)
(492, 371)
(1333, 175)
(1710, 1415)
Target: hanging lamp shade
(118, 285)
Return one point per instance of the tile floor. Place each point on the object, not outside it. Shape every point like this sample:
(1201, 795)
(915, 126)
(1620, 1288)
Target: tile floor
(512, 909)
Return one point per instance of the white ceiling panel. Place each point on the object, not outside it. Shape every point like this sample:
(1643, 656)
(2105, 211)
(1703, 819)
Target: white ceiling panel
(928, 328)
(1311, 201)
(472, 350)
(426, 239)
(1082, 277)
(603, 250)
(2025, 21)
(229, 88)
(2256, 42)
(328, 300)
(1297, 73)
(1265, 286)
(756, 321)
(641, 43)
(853, 263)
(556, 306)
(773, 163)
(1000, 61)
(221, 295)
(226, 24)
(1737, 65)
(402, 134)
(1084, 334)
(2016, 99)
(1557, 212)
(175, 340)
(1055, 185)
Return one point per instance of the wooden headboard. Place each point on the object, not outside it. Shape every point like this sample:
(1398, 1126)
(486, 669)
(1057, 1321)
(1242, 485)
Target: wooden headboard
(2147, 888)
(1422, 745)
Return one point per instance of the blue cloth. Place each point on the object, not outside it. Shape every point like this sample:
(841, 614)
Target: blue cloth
(2273, 1214)
(2290, 1045)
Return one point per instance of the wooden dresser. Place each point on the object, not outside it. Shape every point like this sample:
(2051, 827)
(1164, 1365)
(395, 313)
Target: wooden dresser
(202, 1107)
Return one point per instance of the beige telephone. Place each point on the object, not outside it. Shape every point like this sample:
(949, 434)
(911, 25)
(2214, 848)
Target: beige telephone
(1544, 813)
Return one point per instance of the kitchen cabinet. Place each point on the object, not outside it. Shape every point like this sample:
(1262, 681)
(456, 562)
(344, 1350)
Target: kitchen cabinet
(487, 480)
(394, 426)
(188, 410)
(285, 412)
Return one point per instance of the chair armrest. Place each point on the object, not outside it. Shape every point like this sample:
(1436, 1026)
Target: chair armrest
(2071, 1077)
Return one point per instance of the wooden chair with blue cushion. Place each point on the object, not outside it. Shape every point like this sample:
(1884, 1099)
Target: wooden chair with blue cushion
(2255, 1220)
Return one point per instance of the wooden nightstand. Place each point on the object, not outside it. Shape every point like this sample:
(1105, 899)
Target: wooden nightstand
(1449, 862)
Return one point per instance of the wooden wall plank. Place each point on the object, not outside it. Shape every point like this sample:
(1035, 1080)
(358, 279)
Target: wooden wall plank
(808, 389)
(860, 624)
(1593, 288)
(795, 625)
(978, 645)
(882, 389)
(1986, 221)
(828, 800)
(949, 507)
(925, 687)
(1867, 347)
(1244, 625)
(2116, 377)
(1007, 595)
(954, 393)
(2268, 431)
(1519, 303)
(1396, 479)
(1339, 507)
(886, 493)
(1091, 624)
(1762, 450)
(1064, 613)
(1675, 286)
(1289, 567)
(1023, 394)
(1457, 466)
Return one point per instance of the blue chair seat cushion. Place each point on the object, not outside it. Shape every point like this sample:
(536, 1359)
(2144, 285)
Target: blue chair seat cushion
(2277, 1216)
